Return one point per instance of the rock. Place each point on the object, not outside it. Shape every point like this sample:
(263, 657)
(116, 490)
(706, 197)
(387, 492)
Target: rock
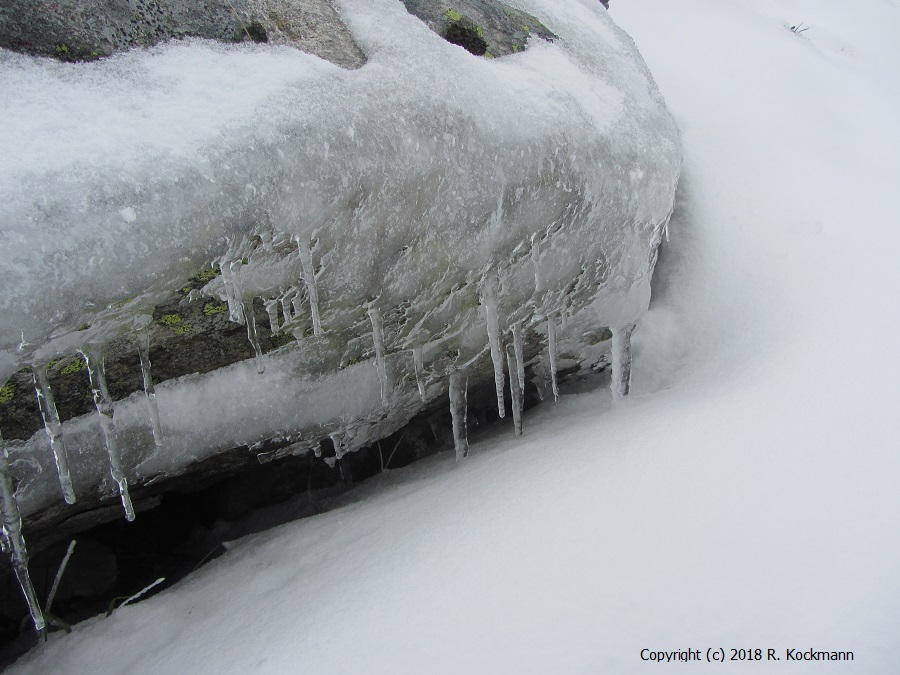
(397, 222)
(85, 30)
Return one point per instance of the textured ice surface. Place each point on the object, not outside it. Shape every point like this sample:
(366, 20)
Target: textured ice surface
(401, 186)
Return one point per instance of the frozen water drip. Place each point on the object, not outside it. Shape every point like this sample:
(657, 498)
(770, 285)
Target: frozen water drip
(458, 386)
(106, 411)
(14, 541)
(54, 430)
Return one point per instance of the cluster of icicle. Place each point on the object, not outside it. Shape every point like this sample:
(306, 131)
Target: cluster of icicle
(505, 347)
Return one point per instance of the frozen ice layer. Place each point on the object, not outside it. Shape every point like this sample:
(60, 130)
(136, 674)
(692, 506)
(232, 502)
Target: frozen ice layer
(317, 190)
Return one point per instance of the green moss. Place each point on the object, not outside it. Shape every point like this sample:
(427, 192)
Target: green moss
(7, 391)
(207, 275)
(488, 55)
(212, 308)
(171, 320)
(62, 51)
(453, 15)
(453, 353)
(75, 366)
(176, 324)
(309, 332)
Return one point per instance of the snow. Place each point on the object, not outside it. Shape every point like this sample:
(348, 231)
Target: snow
(743, 496)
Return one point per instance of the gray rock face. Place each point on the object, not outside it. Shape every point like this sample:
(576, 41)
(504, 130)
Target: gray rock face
(83, 30)
(373, 232)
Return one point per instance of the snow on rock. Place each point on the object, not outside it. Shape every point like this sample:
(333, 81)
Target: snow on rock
(402, 185)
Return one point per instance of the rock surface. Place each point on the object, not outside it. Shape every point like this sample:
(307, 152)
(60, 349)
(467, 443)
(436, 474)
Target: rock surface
(84, 30)
(390, 220)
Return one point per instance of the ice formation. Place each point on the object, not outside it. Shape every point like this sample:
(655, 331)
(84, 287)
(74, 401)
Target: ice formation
(458, 391)
(105, 412)
(537, 184)
(54, 430)
(621, 360)
(143, 340)
(492, 318)
(12, 539)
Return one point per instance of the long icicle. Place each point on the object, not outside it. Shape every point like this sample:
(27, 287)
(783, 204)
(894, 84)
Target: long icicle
(231, 282)
(458, 405)
(378, 340)
(621, 360)
(515, 388)
(489, 300)
(536, 261)
(419, 363)
(106, 412)
(520, 353)
(551, 340)
(252, 335)
(312, 289)
(15, 542)
(143, 342)
(54, 429)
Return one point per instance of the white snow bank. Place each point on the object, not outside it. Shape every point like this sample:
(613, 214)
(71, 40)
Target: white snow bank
(745, 497)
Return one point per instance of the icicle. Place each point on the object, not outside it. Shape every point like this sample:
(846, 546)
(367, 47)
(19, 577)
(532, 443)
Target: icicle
(104, 405)
(458, 386)
(536, 261)
(340, 450)
(309, 276)
(250, 317)
(143, 340)
(54, 430)
(420, 371)
(489, 300)
(551, 339)
(272, 311)
(286, 305)
(621, 360)
(297, 304)
(232, 290)
(15, 542)
(378, 339)
(515, 387)
(520, 353)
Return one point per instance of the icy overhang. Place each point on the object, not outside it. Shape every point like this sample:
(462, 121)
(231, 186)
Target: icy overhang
(401, 218)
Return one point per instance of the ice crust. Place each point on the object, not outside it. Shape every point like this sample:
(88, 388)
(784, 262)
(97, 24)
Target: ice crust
(400, 186)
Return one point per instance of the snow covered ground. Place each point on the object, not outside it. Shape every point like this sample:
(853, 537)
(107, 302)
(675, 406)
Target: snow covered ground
(744, 497)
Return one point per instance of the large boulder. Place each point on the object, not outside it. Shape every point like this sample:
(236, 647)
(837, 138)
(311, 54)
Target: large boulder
(364, 235)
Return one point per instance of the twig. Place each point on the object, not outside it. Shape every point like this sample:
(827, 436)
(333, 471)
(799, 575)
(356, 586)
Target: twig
(112, 605)
(59, 573)
(396, 445)
(240, 21)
